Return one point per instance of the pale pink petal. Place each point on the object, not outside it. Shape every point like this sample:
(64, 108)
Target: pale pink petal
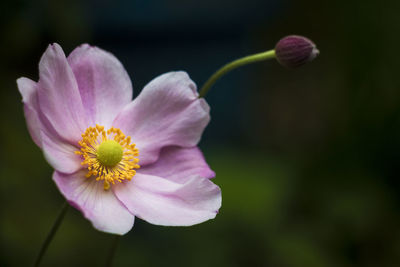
(59, 153)
(28, 90)
(167, 112)
(103, 83)
(58, 95)
(179, 164)
(163, 202)
(101, 207)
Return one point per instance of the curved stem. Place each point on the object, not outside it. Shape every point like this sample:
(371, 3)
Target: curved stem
(233, 65)
(112, 251)
(51, 234)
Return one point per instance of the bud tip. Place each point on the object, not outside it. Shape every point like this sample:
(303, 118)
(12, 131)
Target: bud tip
(294, 51)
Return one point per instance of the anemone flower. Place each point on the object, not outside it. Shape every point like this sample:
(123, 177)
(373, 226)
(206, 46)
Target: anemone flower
(81, 114)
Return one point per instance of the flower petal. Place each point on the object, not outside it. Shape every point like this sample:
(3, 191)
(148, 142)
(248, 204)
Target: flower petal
(58, 95)
(101, 207)
(28, 88)
(167, 112)
(59, 153)
(178, 164)
(163, 202)
(103, 83)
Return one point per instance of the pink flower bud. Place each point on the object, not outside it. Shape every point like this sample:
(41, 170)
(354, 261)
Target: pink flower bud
(294, 51)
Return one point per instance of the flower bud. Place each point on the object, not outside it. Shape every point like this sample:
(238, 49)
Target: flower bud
(293, 51)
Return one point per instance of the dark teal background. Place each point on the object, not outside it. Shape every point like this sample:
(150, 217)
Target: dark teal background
(307, 160)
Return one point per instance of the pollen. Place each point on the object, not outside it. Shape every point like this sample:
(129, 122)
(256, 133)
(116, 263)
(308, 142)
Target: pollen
(109, 156)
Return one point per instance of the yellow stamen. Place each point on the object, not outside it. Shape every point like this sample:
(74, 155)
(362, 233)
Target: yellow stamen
(108, 155)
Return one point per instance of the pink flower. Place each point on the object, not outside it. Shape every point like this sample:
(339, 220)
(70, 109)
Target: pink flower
(81, 114)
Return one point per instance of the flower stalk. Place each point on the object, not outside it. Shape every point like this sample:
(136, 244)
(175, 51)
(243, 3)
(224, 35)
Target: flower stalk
(51, 234)
(233, 65)
(291, 52)
(113, 249)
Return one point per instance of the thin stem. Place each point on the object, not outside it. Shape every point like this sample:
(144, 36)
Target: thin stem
(51, 234)
(233, 65)
(112, 251)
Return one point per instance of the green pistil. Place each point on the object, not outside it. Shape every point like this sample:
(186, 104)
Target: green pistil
(109, 153)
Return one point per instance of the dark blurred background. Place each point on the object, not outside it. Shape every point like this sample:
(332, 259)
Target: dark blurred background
(308, 160)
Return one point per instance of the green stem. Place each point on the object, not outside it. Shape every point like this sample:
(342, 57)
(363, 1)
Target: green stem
(51, 234)
(233, 65)
(112, 251)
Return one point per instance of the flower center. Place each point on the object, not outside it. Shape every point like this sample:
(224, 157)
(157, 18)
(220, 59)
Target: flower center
(108, 155)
